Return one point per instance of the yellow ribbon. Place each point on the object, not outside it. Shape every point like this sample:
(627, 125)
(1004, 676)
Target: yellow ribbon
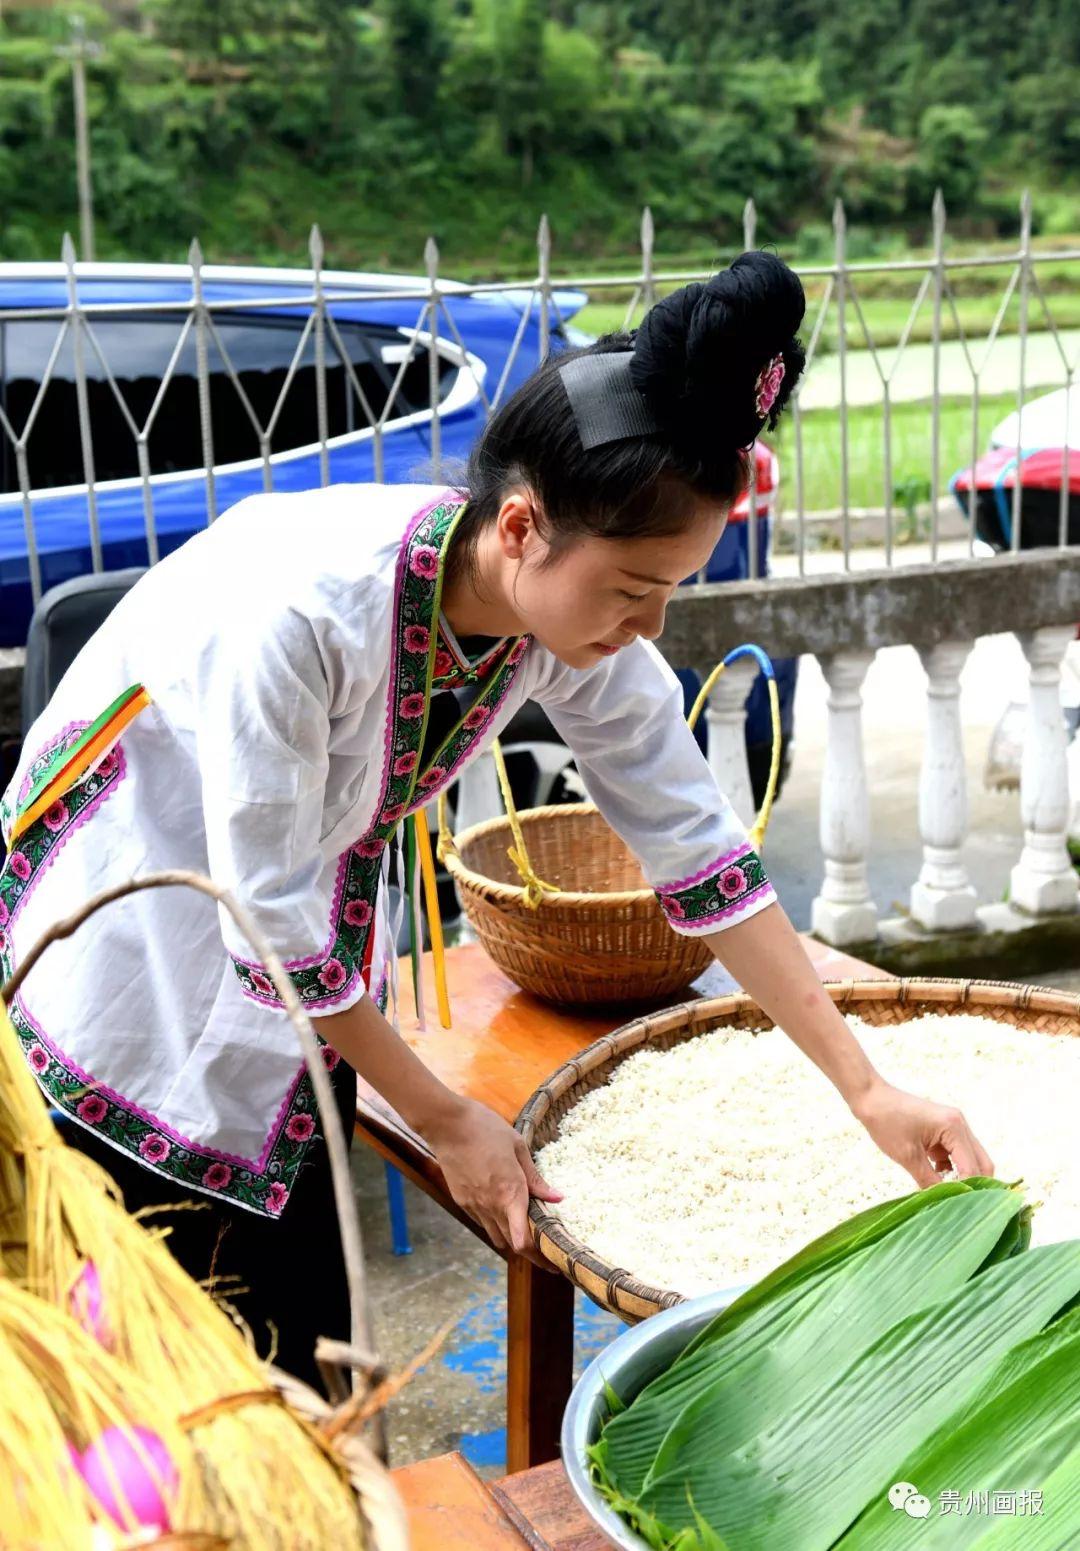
(431, 896)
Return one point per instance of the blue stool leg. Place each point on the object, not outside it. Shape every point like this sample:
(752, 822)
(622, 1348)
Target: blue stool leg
(399, 1222)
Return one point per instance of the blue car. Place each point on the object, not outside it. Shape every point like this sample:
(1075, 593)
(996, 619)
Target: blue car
(258, 423)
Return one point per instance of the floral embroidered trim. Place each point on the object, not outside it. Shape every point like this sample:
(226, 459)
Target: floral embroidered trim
(452, 669)
(451, 754)
(330, 976)
(38, 847)
(709, 899)
(260, 1185)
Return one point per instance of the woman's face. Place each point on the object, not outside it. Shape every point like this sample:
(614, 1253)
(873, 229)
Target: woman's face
(592, 596)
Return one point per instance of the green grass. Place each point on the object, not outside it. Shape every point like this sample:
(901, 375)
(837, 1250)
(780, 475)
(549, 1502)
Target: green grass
(910, 441)
(887, 316)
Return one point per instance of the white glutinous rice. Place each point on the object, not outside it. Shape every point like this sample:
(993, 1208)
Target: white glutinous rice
(706, 1165)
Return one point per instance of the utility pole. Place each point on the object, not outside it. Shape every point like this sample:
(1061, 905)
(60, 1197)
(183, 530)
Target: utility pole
(79, 51)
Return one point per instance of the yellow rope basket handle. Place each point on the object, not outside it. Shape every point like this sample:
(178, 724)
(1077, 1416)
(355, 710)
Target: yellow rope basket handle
(535, 887)
(761, 823)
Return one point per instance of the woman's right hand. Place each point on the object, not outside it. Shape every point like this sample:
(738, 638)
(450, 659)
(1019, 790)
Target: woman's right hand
(490, 1174)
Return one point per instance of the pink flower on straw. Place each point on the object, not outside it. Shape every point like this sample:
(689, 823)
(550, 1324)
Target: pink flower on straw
(425, 562)
(411, 707)
(155, 1149)
(433, 776)
(673, 908)
(393, 813)
(262, 983)
(20, 865)
(276, 1198)
(477, 717)
(369, 847)
(767, 386)
(300, 1128)
(358, 912)
(332, 975)
(732, 882)
(405, 764)
(417, 638)
(38, 1057)
(217, 1176)
(3, 913)
(93, 1109)
(55, 817)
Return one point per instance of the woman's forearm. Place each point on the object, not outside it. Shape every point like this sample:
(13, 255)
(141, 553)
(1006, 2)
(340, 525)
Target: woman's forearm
(765, 956)
(364, 1038)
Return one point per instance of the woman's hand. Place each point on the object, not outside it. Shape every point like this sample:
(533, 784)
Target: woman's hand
(491, 1175)
(927, 1138)
(487, 1166)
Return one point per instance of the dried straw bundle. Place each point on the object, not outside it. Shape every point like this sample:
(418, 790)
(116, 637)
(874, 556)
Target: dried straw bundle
(100, 1327)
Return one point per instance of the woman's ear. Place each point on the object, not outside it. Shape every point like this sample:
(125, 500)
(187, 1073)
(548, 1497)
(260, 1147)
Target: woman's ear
(516, 526)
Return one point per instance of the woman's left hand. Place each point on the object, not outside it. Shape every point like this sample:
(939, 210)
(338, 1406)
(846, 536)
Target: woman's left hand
(927, 1138)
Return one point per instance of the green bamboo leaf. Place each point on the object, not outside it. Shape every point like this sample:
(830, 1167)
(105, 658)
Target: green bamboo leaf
(1055, 1528)
(800, 1483)
(1019, 1426)
(614, 1404)
(788, 1347)
(706, 1538)
(835, 1246)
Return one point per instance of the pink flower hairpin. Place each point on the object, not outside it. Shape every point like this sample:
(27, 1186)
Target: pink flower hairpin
(767, 386)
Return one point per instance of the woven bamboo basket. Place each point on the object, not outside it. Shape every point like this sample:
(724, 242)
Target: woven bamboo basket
(601, 938)
(882, 1002)
(592, 932)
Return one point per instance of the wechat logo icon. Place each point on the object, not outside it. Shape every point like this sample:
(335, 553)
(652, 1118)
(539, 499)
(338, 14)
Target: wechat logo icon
(908, 1499)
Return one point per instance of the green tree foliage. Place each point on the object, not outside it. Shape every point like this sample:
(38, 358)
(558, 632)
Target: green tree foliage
(248, 119)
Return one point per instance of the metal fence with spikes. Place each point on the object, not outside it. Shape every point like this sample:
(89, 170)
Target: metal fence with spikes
(314, 293)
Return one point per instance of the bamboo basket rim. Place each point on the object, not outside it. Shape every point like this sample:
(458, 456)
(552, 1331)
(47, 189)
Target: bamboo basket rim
(618, 1289)
(514, 894)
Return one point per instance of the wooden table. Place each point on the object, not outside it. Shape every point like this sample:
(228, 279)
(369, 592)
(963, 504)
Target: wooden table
(503, 1045)
(449, 1508)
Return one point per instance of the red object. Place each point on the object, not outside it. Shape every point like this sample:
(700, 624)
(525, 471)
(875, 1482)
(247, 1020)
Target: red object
(1039, 470)
(768, 477)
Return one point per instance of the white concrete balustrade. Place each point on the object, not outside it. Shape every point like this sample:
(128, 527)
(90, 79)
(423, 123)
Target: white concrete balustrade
(1043, 882)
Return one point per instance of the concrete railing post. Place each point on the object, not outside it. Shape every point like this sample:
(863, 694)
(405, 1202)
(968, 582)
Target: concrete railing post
(943, 899)
(844, 912)
(1044, 881)
(725, 717)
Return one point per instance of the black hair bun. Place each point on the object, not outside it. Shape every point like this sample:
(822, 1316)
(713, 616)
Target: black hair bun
(699, 352)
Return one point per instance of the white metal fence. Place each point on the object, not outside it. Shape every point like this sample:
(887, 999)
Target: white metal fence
(313, 293)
